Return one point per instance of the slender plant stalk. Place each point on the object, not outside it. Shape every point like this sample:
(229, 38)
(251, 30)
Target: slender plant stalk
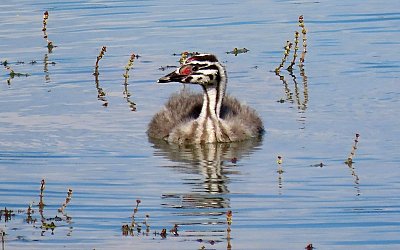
(286, 53)
(296, 48)
(50, 44)
(99, 57)
(304, 37)
(353, 150)
(67, 200)
(126, 93)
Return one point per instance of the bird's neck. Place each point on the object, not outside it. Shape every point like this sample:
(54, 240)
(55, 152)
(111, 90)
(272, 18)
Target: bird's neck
(209, 122)
(213, 96)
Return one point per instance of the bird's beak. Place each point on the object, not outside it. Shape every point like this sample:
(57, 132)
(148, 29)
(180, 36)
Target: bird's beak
(171, 77)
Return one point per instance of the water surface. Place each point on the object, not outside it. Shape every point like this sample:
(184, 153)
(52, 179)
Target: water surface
(53, 126)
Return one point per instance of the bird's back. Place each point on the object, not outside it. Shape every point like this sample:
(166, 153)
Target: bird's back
(180, 108)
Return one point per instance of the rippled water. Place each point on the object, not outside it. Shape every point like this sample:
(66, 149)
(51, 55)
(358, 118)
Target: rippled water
(53, 126)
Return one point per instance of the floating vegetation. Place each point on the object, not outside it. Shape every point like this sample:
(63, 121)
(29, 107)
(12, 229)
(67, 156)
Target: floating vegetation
(50, 44)
(296, 48)
(11, 71)
(353, 150)
(280, 161)
(309, 247)
(228, 229)
(304, 32)
(67, 200)
(3, 233)
(318, 165)
(286, 53)
(134, 225)
(134, 228)
(49, 223)
(183, 58)
(46, 223)
(8, 214)
(99, 57)
(163, 233)
(101, 94)
(349, 162)
(29, 219)
(129, 66)
(301, 100)
(135, 210)
(188, 54)
(185, 55)
(163, 68)
(289, 45)
(289, 94)
(174, 230)
(237, 51)
(42, 187)
(127, 95)
(46, 63)
(280, 171)
(229, 217)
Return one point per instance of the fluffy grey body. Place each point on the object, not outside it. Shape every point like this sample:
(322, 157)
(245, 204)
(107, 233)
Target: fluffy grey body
(190, 118)
(176, 122)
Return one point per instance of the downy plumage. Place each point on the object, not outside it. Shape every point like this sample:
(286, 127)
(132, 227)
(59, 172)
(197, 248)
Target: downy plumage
(189, 118)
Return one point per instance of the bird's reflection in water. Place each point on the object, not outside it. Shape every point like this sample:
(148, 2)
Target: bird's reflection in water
(208, 168)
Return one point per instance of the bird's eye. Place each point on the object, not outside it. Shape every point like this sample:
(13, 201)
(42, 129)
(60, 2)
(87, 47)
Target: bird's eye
(186, 70)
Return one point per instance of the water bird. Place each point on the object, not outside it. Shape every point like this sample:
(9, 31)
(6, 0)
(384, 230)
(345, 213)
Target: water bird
(190, 118)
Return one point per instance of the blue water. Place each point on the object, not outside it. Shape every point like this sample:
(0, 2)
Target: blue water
(53, 126)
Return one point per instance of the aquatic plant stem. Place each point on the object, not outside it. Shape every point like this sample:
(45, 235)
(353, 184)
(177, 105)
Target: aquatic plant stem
(304, 37)
(353, 150)
(50, 45)
(296, 48)
(99, 57)
(67, 200)
(126, 93)
(286, 53)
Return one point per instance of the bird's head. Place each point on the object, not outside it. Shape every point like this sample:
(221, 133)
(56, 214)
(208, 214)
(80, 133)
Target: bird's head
(203, 69)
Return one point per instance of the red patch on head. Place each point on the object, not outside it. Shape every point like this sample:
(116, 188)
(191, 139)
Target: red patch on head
(185, 70)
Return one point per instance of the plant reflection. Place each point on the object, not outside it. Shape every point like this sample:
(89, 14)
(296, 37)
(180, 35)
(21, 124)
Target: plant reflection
(8, 214)
(50, 44)
(349, 162)
(207, 168)
(101, 94)
(11, 71)
(46, 63)
(356, 178)
(49, 223)
(301, 101)
(280, 173)
(126, 93)
(46, 223)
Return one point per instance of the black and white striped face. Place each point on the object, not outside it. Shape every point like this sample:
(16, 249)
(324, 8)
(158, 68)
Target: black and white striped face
(201, 69)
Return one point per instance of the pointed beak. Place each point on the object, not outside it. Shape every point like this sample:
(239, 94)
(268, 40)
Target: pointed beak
(171, 77)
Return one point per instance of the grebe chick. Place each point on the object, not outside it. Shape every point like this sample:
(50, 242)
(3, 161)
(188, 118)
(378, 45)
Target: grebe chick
(189, 118)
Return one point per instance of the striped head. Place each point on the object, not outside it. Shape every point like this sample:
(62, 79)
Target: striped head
(203, 69)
